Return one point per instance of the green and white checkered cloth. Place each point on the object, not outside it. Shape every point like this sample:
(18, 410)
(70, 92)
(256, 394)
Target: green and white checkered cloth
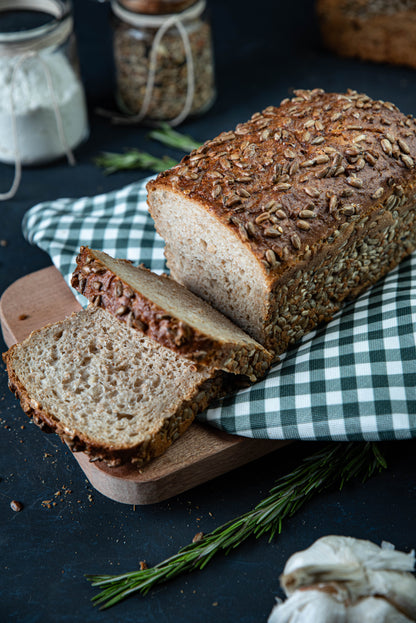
(353, 379)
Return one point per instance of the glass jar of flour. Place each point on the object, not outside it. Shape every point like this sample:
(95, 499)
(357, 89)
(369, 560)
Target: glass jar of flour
(43, 113)
(164, 59)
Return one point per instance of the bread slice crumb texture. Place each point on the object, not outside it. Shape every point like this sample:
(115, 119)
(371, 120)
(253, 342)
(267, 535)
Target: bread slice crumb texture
(103, 380)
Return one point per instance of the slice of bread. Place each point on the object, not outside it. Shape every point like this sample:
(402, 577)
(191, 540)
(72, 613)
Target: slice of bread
(168, 313)
(106, 388)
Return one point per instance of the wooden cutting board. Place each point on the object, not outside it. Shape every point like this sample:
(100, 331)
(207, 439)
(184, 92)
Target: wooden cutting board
(201, 454)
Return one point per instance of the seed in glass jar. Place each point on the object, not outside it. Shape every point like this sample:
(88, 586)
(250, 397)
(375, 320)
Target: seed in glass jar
(169, 94)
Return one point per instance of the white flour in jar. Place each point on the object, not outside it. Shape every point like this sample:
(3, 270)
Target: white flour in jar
(34, 109)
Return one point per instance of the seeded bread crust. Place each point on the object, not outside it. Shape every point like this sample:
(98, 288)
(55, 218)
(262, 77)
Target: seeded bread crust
(374, 30)
(114, 455)
(319, 190)
(291, 176)
(103, 287)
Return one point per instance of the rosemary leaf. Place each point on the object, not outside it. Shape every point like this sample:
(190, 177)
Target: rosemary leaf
(172, 138)
(335, 464)
(133, 159)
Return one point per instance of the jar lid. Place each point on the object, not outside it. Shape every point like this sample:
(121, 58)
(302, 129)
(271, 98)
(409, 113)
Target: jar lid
(156, 20)
(156, 7)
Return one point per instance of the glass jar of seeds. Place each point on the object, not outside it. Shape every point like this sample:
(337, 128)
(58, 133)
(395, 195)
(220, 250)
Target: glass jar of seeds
(163, 58)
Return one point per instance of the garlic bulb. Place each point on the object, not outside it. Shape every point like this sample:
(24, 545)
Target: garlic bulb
(317, 606)
(344, 580)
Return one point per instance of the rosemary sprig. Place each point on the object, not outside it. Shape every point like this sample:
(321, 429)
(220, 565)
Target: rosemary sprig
(136, 159)
(335, 464)
(133, 159)
(172, 138)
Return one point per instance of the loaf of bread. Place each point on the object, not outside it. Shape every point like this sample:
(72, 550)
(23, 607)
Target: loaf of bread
(106, 389)
(168, 313)
(374, 30)
(279, 221)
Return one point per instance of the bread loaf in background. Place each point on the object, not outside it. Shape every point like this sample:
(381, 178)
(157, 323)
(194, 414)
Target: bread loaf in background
(374, 30)
(277, 222)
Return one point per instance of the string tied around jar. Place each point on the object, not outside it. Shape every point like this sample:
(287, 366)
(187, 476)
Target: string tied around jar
(163, 23)
(67, 150)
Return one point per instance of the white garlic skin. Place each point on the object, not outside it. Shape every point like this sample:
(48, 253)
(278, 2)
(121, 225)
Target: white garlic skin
(315, 606)
(340, 558)
(344, 580)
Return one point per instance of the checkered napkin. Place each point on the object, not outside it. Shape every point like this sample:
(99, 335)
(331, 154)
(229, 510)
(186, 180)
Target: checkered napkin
(353, 379)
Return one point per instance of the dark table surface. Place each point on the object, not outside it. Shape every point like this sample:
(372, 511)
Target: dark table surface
(262, 52)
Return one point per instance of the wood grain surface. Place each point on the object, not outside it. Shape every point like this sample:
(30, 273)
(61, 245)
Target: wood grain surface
(201, 454)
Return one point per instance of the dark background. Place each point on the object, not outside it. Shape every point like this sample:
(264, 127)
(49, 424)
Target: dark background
(263, 50)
